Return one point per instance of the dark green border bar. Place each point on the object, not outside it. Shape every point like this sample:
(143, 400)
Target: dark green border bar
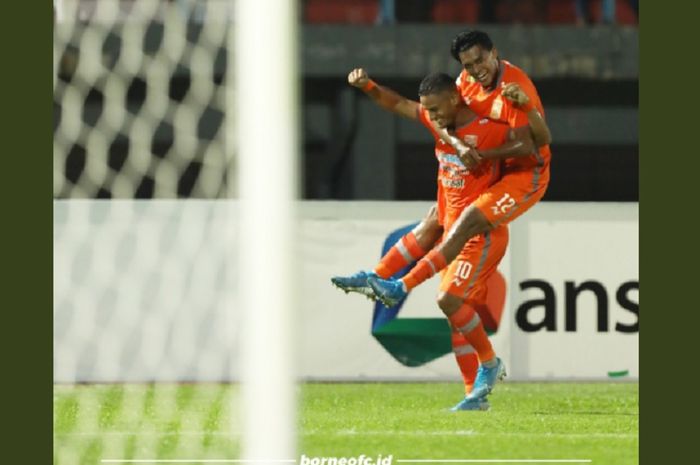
(26, 39)
(669, 179)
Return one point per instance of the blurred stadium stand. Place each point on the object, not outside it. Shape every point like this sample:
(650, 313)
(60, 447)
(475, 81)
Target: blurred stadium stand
(587, 78)
(341, 11)
(462, 11)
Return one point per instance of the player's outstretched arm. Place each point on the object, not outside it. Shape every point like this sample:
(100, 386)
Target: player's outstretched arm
(383, 96)
(538, 126)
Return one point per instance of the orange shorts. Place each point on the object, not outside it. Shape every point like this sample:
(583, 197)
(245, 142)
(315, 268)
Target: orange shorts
(473, 275)
(512, 195)
(467, 275)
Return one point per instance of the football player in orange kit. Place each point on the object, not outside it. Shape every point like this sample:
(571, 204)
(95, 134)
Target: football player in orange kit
(498, 90)
(441, 106)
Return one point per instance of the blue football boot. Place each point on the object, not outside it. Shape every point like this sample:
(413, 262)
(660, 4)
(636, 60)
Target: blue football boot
(388, 291)
(471, 403)
(486, 378)
(355, 283)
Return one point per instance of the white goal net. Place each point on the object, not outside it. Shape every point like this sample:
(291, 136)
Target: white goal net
(139, 99)
(154, 240)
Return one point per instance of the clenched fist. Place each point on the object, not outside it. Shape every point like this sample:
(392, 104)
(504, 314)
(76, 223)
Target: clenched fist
(515, 94)
(358, 77)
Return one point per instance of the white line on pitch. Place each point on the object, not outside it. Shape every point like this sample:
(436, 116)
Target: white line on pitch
(355, 433)
(197, 461)
(494, 461)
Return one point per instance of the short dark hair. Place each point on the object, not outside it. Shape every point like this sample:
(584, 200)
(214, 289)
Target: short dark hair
(434, 83)
(467, 39)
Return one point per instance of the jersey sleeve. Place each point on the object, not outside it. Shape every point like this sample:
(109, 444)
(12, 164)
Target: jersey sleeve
(461, 79)
(517, 118)
(529, 88)
(424, 118)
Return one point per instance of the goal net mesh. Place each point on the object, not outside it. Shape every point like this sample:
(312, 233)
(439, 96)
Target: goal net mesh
(145, 321)
(139, 99)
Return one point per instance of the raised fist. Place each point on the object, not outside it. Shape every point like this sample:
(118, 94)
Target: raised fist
(515, 94)
(358, 77)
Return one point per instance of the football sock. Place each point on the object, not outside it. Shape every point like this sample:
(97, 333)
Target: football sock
(467, 360)
(432, 263)
(467, 322)
(405, 251)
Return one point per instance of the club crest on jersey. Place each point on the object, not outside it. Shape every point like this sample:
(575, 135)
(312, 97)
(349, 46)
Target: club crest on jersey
(449, 159)
(451, 164)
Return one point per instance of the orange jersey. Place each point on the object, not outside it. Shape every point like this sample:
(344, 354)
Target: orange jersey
(457, 186)
(492, 104)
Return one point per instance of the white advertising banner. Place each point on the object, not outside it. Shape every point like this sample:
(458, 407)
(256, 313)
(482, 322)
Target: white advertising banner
(141, 293)
(571, 308)
(575, 288)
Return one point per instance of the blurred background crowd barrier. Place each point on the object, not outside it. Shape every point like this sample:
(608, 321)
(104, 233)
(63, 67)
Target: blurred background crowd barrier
(148, 120)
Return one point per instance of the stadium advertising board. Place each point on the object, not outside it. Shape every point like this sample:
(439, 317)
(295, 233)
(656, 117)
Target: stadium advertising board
(571, 307)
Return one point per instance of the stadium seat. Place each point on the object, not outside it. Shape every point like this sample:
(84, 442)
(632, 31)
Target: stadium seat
(456, 11)
(522, 12)
(561, 12)
(624, 14)
(341, 11)
(564, 12)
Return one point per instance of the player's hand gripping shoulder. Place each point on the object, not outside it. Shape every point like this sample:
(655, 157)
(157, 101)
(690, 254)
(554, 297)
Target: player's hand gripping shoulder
(469, 156)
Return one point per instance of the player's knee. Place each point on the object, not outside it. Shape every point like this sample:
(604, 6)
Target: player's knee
(432, 215)
(429, 230)
(448, 303)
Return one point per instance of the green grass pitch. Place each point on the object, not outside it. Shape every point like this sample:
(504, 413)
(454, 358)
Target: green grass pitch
(596, 421)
